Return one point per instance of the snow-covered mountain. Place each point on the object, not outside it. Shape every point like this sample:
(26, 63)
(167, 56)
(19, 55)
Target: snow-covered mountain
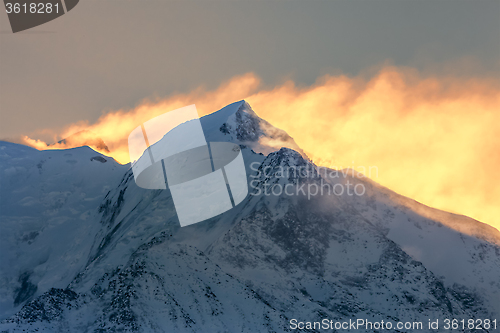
(84, 249)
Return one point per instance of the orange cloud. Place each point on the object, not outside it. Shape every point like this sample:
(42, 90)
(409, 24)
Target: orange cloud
(434, 139)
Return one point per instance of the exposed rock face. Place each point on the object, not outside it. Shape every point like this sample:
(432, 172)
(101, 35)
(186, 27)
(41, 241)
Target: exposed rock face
(98, 159)
(85, 138)
(271, 259)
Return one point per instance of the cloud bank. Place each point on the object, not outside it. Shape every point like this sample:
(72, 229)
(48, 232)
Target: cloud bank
(434, 139)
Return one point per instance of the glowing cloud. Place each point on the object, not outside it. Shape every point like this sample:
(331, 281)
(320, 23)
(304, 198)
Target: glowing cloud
(433, 139)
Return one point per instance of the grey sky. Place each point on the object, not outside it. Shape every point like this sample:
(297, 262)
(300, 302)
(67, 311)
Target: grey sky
(111, 54)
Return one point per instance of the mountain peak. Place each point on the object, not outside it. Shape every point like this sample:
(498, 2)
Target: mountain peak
(87, 249)
(239, 123)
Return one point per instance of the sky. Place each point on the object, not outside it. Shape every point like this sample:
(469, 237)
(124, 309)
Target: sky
(112, 56)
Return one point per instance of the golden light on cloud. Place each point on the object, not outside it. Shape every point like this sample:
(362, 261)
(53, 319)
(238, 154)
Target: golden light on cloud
(433, 139)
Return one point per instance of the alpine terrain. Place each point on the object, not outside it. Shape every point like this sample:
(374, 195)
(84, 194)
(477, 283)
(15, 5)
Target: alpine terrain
(84, 249)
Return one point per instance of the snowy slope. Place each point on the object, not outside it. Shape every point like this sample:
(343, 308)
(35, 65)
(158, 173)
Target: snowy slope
(120, 261)
(457, 248)
(48, 203)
